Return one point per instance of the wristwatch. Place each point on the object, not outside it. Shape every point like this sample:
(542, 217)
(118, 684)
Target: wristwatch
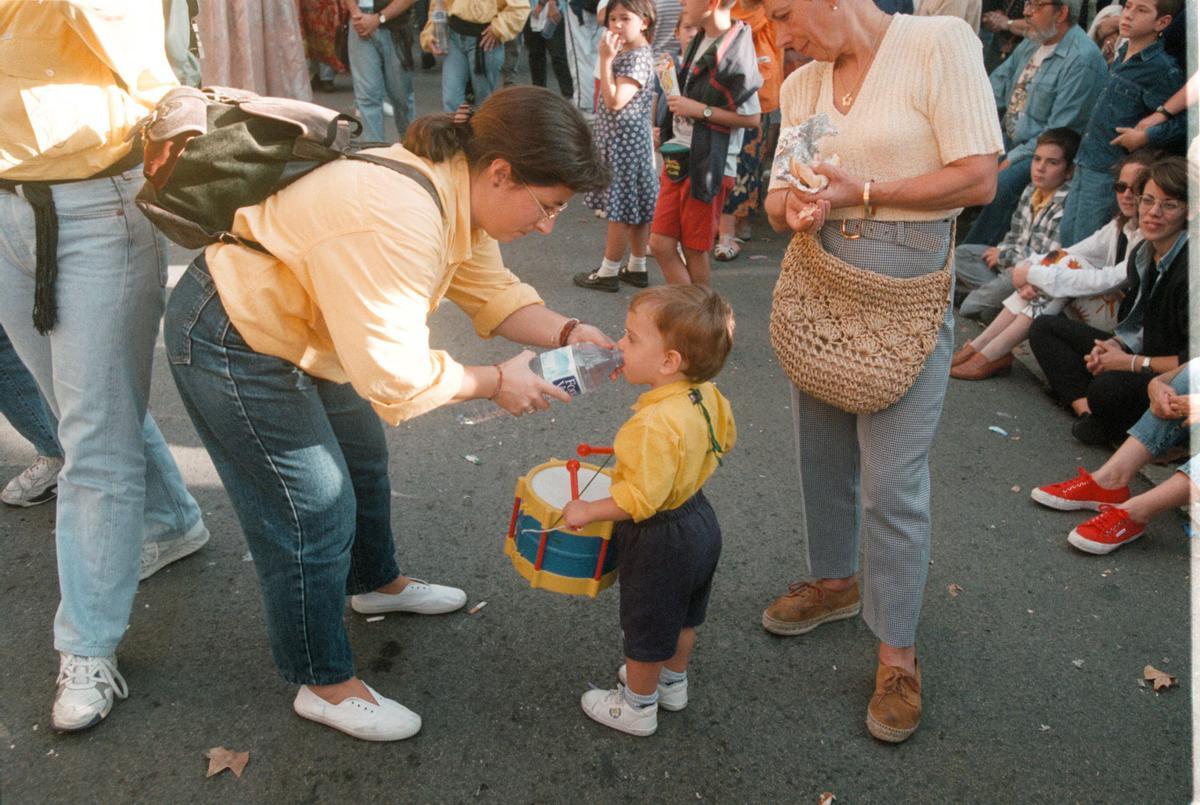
(1162, 110)
(1146, 368)
(382, 18)
(707, 113)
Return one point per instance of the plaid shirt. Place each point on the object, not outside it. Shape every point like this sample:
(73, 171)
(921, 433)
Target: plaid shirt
(1032, 234)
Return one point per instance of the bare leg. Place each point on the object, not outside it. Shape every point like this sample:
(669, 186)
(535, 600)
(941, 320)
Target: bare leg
(993, 330)
(727, 228)
(1122, 465)
(642, 677)
(1004, 343)
(697, 266)
(674, 270)
(639, 238)
(905, 658)
(617, 240)
(1170, 494)
(1080, 406)
(351, 688)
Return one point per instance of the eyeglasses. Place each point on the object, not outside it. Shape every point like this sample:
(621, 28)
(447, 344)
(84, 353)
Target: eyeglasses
(1122, 187)
(1168, 206)
(547, 215)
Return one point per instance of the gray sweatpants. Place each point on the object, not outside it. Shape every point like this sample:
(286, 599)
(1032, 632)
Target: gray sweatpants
(988, 289)
(865, 478)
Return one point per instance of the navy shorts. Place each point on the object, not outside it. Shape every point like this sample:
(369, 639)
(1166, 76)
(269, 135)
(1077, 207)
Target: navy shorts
(666, 566)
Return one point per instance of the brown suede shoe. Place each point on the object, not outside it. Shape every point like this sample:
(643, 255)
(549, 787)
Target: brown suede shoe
(967, 351)
(978, 367)
(806, 606)
(895, 710)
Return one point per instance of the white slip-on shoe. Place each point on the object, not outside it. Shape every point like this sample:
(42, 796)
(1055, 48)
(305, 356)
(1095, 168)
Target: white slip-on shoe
(419, 596)
(38, 483)
(86, 687)
(608, 707)
(157, 555)
(670, 697)
(386, 721)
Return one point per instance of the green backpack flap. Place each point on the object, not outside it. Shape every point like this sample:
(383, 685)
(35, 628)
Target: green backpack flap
(210, 152)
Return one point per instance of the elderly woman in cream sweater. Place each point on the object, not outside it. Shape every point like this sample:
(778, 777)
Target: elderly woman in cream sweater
(918, 136)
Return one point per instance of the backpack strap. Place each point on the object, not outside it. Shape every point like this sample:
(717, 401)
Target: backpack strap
(407, 170)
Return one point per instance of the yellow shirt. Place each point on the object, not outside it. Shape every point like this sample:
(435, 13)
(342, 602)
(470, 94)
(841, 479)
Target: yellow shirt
(663, 451)
(506, 17)
(359, 258)
(75, 79)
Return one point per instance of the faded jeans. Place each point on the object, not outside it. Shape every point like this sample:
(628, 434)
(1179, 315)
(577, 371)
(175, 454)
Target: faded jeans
(22, 405)
(377, 72)
(459, 68)
(120, 484)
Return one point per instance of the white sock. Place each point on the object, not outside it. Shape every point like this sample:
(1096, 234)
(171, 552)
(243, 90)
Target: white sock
(637, 264)
(608, 268)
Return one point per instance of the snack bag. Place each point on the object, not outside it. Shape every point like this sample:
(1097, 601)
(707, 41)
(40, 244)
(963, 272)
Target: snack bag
(798, 151)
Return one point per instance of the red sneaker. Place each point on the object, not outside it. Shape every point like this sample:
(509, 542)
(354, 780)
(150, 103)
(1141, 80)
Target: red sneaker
(1079, 493)
(1107, 531)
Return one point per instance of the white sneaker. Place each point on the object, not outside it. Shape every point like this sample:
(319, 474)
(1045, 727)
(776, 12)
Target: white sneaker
(419, 596)
(608, 707)
(86, 686)
(157, 555)
(670, 697)
(37, 484)
(359, 718)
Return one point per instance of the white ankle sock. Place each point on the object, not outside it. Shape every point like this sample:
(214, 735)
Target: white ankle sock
(637, 263)
(608, 268)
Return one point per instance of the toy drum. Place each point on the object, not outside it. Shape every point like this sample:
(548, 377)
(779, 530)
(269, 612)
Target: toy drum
(543, 550)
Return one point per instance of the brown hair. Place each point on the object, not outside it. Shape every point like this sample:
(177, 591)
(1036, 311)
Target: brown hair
(1065, 138)
(1171, 174)
(1168, 7)
(643, 8)
(538, 132)
(694, 322)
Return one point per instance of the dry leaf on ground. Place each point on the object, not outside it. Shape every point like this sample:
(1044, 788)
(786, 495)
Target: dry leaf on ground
(826, 798)
(220, 758)
(954, 590)
(1161, 679)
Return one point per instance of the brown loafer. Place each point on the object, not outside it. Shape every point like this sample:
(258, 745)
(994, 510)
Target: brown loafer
(963, 354)
(895, 710)
(980, 368)
(805, 606)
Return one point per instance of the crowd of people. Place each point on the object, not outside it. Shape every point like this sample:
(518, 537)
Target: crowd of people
(1068, 145)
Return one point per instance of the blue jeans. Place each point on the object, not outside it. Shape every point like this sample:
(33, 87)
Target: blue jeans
(22, 403)
(120, 484)
(305, 464)
(459, 66)
(1160, 435)
(1089, 206)
(996, 217)
(376, 69)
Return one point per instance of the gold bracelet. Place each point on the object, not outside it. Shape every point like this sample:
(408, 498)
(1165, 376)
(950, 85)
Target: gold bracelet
(867, 211)
(565, 332)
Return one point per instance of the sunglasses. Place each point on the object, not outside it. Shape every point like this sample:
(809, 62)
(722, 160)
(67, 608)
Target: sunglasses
(1122, 187)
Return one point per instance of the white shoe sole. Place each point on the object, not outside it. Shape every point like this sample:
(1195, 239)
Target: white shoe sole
(54, 725)
(628, 729)
(399, 732)
(791, 629)
(1062, 504)
(1096, 548)
(176, 549)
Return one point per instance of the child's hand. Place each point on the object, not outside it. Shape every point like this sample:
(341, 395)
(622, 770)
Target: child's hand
(682, 106)
(610, 46)
(656, 135)
(576, 514)
(1020, 274)
(1028, 292)
(991, 257)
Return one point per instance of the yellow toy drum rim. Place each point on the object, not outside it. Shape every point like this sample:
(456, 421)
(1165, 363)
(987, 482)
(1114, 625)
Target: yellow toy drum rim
(546, 514)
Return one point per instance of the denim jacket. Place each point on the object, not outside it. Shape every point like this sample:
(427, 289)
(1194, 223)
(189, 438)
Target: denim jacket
(1132, 90)
(1061, 92)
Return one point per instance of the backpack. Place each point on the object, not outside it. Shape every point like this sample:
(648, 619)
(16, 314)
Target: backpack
(210, 152)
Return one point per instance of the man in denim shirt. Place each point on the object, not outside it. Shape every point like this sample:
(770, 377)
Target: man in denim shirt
(1141, 78)
(1038, 90)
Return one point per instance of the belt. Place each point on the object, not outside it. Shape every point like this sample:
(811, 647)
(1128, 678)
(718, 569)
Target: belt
(903, 233)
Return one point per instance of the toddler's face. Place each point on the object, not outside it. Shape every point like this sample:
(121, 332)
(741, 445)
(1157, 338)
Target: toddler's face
(625, 24)
(642, 347)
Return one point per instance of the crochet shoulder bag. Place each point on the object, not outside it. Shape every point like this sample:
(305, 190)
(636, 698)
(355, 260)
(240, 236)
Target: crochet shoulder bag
(850, 337)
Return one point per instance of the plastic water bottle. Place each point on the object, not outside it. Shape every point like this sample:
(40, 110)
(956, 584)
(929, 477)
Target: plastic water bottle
(441, 30)
(576, 369)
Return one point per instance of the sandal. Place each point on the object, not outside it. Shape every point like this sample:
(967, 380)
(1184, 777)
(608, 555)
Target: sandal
(727, 249)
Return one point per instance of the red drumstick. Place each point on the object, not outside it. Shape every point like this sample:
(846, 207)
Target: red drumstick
(590, 449)
(573, 470)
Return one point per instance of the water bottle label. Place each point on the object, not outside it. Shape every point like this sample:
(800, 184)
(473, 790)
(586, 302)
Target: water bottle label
(438, 16)
(558, 366)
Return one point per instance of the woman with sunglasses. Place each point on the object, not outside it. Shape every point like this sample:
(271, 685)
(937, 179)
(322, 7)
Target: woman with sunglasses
(287, 361)
(1102, 376)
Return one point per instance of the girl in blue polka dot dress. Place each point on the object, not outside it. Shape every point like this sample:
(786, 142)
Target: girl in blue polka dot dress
(627, 87)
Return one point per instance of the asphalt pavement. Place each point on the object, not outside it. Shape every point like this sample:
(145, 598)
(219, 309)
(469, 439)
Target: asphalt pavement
(1031, 662)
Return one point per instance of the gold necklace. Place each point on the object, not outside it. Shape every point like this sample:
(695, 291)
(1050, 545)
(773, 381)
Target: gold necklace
(848, 98)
